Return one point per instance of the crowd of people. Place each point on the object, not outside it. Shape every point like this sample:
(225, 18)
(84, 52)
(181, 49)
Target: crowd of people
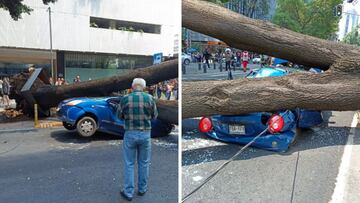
(61, 81)
(165, 89)
(228, 59)
(231, 57)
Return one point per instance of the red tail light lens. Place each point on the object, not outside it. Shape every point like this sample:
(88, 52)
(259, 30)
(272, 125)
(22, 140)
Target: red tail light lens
(275, 123)
(205, 125)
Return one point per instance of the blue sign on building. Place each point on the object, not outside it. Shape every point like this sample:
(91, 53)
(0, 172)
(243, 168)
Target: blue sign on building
(157, 58)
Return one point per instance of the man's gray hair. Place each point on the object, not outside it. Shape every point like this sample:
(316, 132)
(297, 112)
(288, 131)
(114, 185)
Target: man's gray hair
(139, 82)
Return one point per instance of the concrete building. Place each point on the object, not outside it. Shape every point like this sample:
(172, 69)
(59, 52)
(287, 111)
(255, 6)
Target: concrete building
(349, 19)
(90, 38)
(192, 36)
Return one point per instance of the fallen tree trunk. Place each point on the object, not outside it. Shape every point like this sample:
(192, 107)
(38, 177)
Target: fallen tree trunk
(337, 89)
(264, 37)
(48, 96)
(326, 91)
(168, 111)
(103, 87)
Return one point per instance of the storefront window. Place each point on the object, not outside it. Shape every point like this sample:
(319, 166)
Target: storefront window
(95, 66)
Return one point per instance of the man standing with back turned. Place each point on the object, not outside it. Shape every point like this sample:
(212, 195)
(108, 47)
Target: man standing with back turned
(137, 109)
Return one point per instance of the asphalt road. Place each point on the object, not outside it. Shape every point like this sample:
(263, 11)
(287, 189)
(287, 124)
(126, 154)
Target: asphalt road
(53, 165)
(263, 176)
(193, 73)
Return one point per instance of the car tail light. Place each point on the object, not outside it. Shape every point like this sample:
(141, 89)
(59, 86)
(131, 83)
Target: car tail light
(205, 125)
(275, 123)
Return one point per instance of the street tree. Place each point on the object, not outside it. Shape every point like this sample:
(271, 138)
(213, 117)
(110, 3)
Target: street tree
(16, 7)
(315, 18)
(47, 96)
(353, 37)
(336, 89)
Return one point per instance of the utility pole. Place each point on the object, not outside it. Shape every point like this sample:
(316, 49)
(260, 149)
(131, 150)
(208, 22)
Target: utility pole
(53, 72)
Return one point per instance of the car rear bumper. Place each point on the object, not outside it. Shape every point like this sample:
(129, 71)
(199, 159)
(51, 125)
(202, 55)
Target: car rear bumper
(275, 142)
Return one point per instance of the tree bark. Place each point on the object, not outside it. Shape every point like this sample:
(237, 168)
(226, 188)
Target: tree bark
(263, 37)
(50, 96)
(325, 91)
(168, 111)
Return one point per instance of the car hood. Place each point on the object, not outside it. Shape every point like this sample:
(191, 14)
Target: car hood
(85, 100)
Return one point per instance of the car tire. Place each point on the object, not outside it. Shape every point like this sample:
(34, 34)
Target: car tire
(86, 126)
(186, 61)
(68, 126)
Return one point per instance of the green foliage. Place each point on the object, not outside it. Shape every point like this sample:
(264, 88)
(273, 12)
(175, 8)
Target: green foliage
(311, 17)
(352, 37)
(16, 7)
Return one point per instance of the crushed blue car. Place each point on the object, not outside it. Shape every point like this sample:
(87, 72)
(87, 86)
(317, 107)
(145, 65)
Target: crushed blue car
(280, 126)
(90, 115)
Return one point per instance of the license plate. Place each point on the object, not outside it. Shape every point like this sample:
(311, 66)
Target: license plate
(236, 129)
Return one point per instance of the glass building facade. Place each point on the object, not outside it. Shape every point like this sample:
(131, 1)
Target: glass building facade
(94, 66)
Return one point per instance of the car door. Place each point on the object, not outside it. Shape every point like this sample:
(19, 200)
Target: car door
(116, 125)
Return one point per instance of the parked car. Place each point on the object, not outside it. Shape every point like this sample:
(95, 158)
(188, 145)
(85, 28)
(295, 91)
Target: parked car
(256, 60)
(282, 125)
(185, 58)
(89, 115)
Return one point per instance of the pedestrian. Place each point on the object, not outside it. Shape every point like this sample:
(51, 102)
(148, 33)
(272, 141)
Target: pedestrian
(176, 90)
(245, 59)
(169, 88)
(137, 110)
(207, 56)
(228, 56)
(51, 81)
(77, 79)
(158, 90)
(63, 82)
(58, 82)
(1, 92)
(198, 60)
(238, 58)
(262, 60)
(6, 92)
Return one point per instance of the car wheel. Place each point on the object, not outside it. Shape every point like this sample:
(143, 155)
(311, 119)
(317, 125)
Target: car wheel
(186, 61)
(86, 126)
(68, 126)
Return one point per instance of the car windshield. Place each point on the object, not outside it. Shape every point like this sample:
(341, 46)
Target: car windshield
(114, 100)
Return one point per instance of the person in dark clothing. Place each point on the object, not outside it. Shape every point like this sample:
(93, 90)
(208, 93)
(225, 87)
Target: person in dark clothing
(158, 90)
(207, 56)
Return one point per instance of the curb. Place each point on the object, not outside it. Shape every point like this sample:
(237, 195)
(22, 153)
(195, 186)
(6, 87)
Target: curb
(49, 124)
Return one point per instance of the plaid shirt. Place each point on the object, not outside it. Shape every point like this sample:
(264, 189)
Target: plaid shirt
(137, 109)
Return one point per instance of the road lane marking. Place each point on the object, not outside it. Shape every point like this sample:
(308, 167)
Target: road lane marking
(342, 177)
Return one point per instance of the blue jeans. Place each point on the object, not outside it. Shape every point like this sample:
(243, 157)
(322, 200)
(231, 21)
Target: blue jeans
(137, 144)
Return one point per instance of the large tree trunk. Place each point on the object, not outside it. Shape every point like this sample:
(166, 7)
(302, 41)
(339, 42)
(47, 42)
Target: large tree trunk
(50, 96)
(259, 36)
(326, 91)
(168, 111)
(337, 89)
